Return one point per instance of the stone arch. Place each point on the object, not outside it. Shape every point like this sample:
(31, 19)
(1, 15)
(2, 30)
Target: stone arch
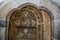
(45, 15)
(37, 13)
(47, 10)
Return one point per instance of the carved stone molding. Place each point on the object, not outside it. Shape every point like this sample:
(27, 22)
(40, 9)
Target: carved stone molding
(28, 22)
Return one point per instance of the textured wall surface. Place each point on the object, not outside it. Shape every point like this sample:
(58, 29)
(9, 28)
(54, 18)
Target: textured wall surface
(51, 5)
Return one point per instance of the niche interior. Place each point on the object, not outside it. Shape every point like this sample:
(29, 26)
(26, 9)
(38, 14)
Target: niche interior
(28, 22)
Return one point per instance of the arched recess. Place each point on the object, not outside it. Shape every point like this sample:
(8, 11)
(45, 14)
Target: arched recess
(48, 24)
(26, 23)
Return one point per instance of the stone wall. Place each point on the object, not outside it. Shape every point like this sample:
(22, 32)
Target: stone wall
(8, 5)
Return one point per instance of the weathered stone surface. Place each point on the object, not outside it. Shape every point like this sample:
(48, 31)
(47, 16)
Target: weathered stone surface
(2, 33)
(8, 5)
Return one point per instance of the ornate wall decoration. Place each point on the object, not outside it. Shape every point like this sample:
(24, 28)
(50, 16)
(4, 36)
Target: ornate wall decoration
(27, 22)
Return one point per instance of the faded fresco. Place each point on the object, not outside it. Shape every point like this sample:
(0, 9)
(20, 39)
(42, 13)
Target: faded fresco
(52, 5)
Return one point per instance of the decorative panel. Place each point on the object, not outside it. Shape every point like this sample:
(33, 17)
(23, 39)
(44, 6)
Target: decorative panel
(27, 22)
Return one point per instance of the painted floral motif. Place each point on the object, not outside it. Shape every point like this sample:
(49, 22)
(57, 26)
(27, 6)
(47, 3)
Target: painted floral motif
(27, 33)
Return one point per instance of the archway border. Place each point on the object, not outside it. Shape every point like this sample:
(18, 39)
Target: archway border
(10, 13)
(51, 17)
